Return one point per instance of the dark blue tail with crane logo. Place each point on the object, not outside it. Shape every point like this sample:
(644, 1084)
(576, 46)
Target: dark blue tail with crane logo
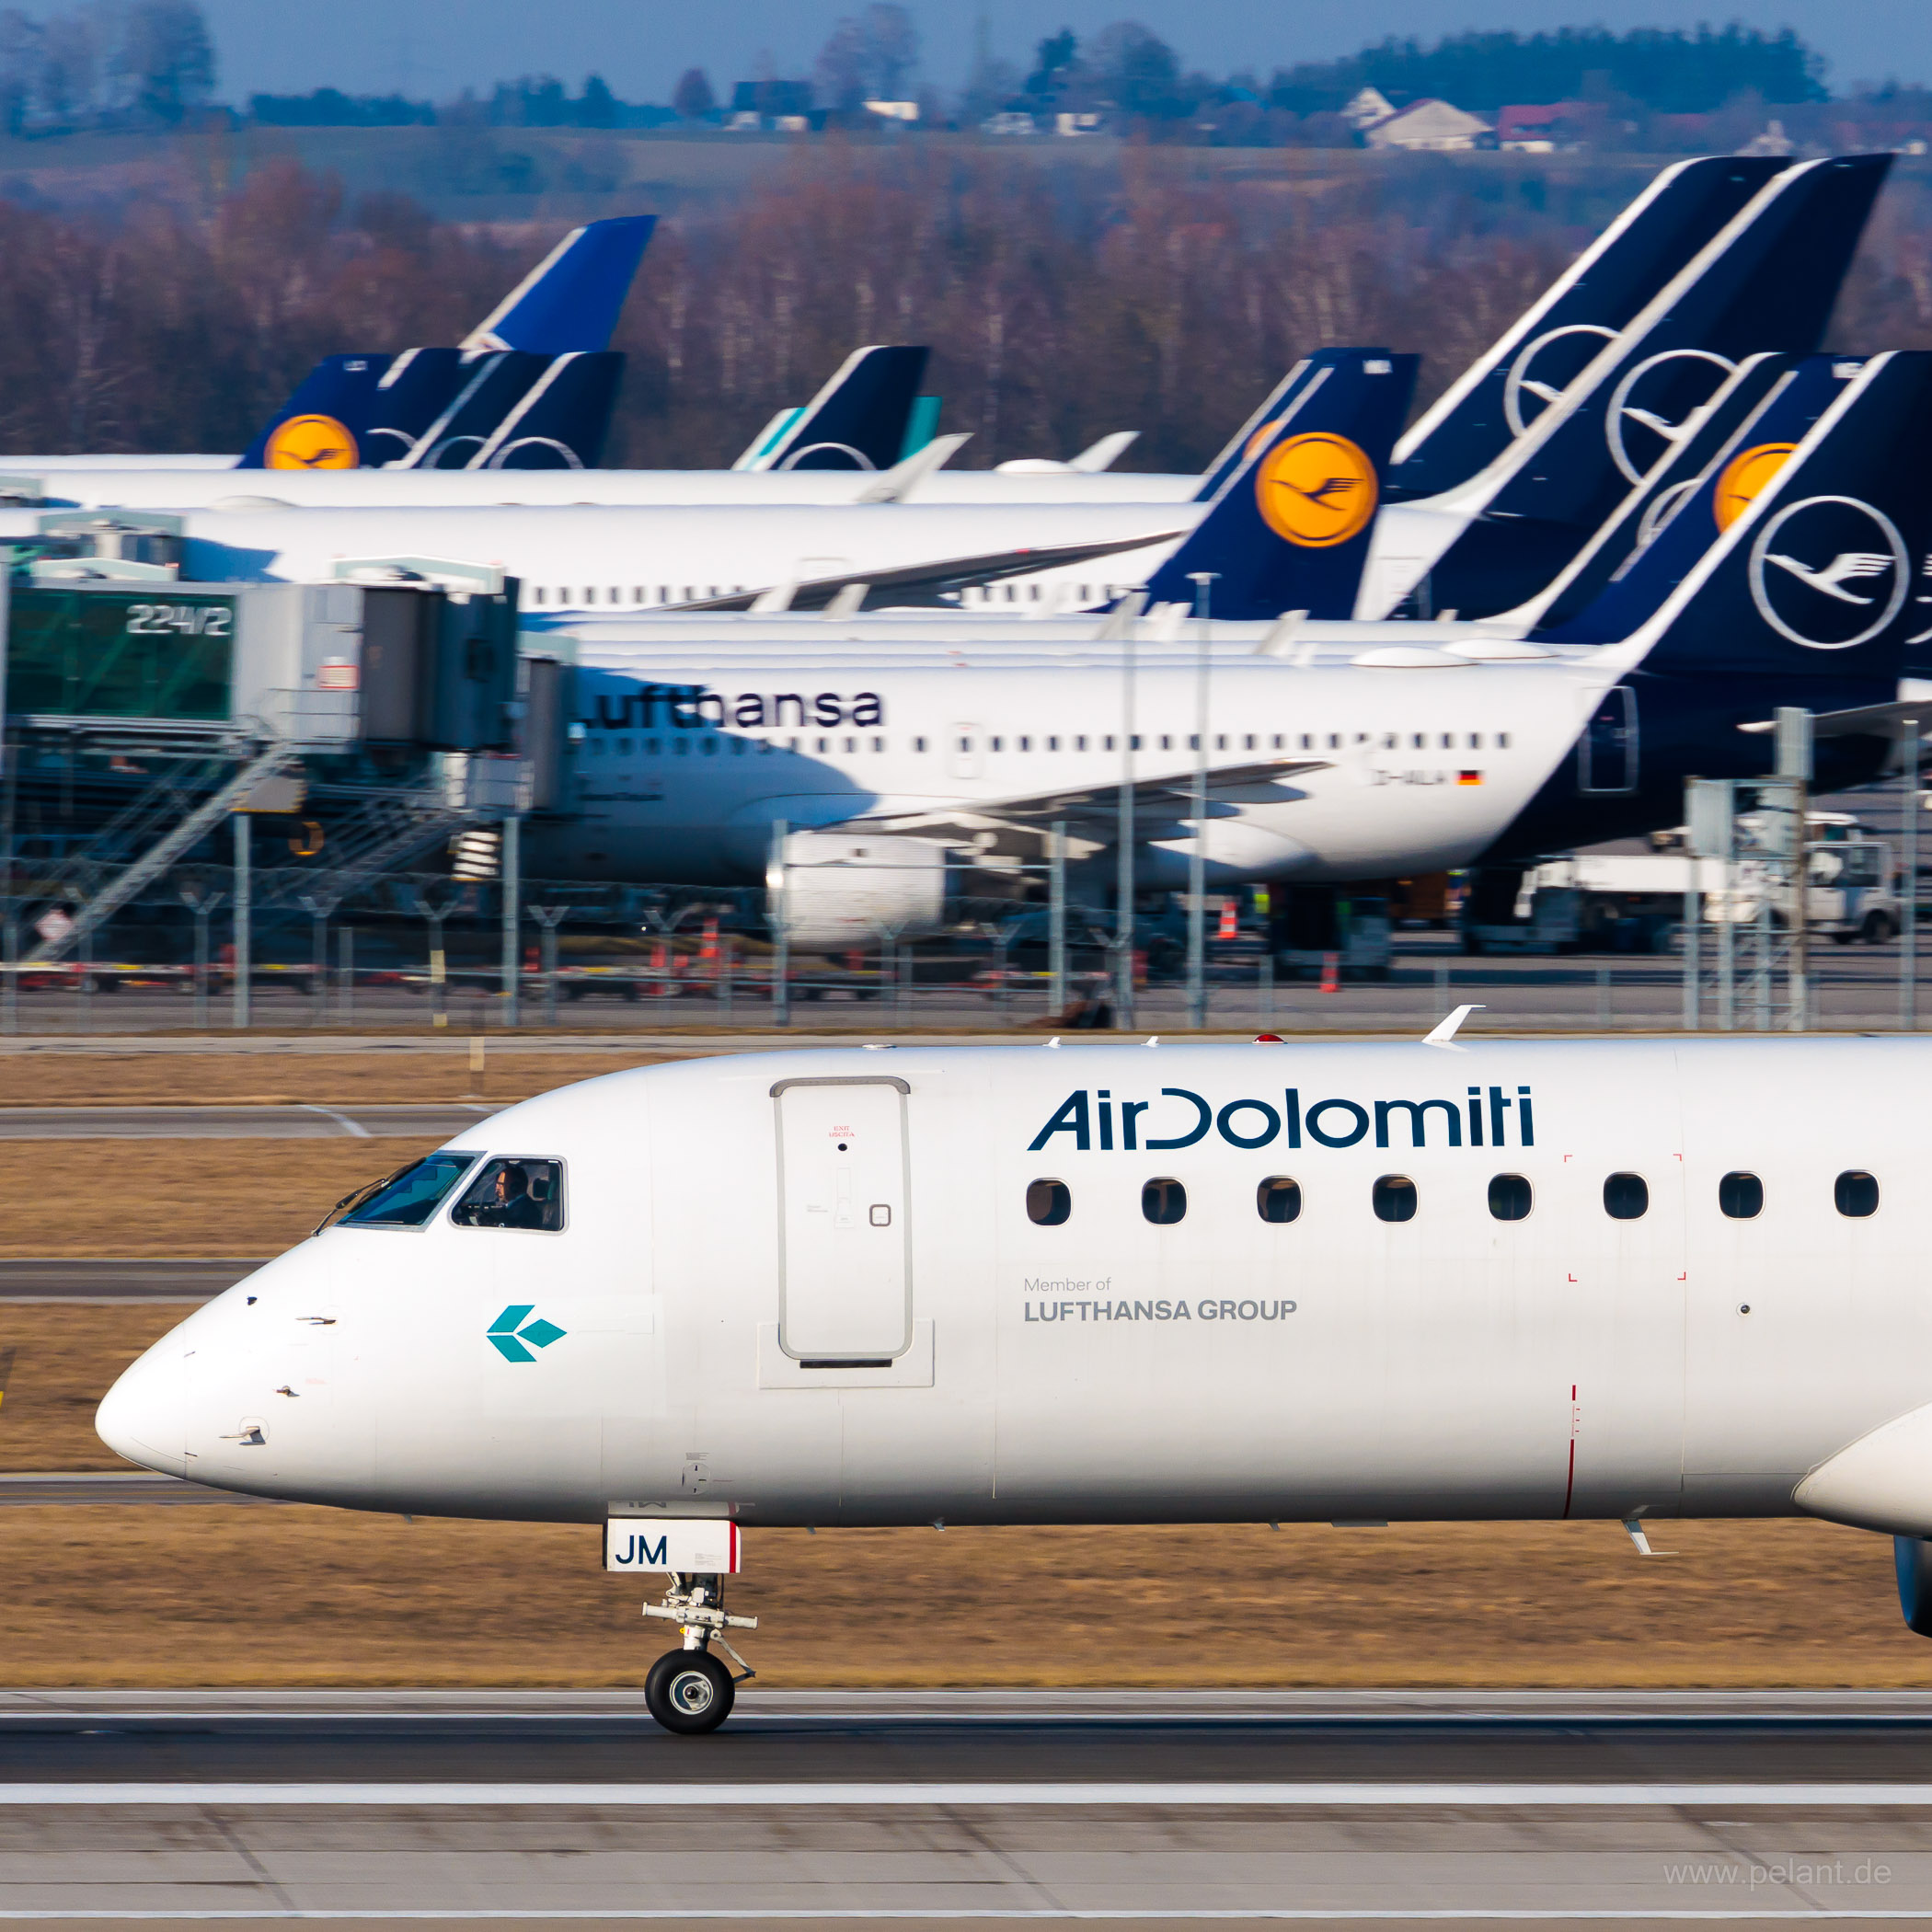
(1289, 529)
(540, 354)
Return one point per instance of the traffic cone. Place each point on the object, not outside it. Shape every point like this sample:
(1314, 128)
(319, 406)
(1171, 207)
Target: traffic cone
(1331, 973)
(1227, 928)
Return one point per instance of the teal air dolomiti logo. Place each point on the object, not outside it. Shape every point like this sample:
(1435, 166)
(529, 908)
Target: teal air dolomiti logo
(507, 1335)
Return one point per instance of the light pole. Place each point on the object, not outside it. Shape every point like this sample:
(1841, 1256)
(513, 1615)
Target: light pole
(1197, 857)
(1908, 903)
(1123, 909)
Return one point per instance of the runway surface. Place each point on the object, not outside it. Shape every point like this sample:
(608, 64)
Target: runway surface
(1143, 1807)
(306, 1123)
(118, 1280)
(122, 1486)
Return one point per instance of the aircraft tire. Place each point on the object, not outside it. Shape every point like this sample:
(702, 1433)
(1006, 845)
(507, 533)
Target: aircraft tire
(689, 1692)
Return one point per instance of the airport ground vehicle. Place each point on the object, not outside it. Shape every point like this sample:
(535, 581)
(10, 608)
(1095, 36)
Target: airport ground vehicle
(1633, 902)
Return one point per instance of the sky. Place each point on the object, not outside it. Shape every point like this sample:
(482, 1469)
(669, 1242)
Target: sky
(436, 46)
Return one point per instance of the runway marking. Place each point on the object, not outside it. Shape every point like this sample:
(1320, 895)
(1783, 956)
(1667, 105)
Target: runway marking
(824, 1915)
(740, 1797)
(342, 1120)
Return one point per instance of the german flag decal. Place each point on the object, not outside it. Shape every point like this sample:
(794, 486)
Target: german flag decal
(1468, 777)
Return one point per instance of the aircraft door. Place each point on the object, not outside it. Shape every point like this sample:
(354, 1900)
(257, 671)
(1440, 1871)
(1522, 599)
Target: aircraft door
(844, 1245)
(1606, 756)
(966, 759)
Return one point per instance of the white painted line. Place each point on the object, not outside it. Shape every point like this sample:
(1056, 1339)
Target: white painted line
(824, 1914)
(740, 1796)
(342, 1120)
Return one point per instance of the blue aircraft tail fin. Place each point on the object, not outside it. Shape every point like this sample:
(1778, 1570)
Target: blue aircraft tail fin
(860, 419)
(368, 411)
(569, 302)
(1240, 447)
(1289, 529)
(1768, 282)
(1653, 543)
(1501, 394)
(522, 412)
(358, 411)
(1821, 574)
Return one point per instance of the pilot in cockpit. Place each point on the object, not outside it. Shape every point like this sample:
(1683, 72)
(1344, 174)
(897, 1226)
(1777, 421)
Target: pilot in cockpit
(512, 1202)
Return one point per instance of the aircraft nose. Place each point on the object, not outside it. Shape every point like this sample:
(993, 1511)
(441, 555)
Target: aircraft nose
(144, 1416)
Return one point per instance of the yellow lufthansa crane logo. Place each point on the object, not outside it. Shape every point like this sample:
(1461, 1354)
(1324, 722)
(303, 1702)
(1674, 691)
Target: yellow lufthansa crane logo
(1744, 475)
(310, 443)
(1316, 491)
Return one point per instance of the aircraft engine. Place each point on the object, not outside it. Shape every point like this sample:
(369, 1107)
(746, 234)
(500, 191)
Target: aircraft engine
(840, 890)
(1914, 1557)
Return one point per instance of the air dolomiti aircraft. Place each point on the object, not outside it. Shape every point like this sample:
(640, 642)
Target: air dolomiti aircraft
(1628, 1280)
(1431, 747)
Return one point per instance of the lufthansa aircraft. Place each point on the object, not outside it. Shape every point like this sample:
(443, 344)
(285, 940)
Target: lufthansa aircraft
(531, 386)
(1765, 283)
(1683, 266)
(1424, 747)
(1627, 1279)
(1344, 416)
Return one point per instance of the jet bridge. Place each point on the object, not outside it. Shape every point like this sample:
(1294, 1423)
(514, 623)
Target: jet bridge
(408, 662)
(112, 668)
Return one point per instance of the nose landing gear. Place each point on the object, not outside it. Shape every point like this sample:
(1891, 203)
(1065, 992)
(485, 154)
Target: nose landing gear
(689, 1690)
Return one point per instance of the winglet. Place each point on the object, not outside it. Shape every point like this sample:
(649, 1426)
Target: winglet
(896, 485)
(1104, 453)
(1282, 633)
(1443, 1033)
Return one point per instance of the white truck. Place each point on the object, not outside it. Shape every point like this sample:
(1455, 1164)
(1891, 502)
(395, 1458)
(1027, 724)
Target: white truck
(1633, 902)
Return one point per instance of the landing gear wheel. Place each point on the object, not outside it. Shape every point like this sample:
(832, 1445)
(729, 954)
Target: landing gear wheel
(689, 1692)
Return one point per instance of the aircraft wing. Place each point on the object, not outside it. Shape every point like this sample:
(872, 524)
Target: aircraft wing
(1864, 722)
(927, 583)
(1161, 806)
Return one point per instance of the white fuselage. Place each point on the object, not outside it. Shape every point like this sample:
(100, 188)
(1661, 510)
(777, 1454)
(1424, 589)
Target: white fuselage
(149, 485)
(1415, 769)
(599, 557)
(729, 1222)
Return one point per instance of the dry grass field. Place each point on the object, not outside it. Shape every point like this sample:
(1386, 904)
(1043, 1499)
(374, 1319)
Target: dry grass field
(252, 1079)
(60, 1357)
(274, 1595)
(185, 1198)
(221, 1197)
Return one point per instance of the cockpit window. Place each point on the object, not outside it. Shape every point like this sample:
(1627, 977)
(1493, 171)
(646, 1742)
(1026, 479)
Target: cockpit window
(514, 1193)
(408, 1199)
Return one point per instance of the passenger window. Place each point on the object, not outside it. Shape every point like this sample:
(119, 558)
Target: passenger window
(1626, 1197)
(1048, 1202)
(1395, 1198)
(527, 1194)
(1741, 1196)
(408, 1199)
(1164, 1202)
(1278, 1199)
(1511, 1197)
(1857, 1194)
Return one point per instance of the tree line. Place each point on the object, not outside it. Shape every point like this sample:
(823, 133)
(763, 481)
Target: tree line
(1061, 302)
